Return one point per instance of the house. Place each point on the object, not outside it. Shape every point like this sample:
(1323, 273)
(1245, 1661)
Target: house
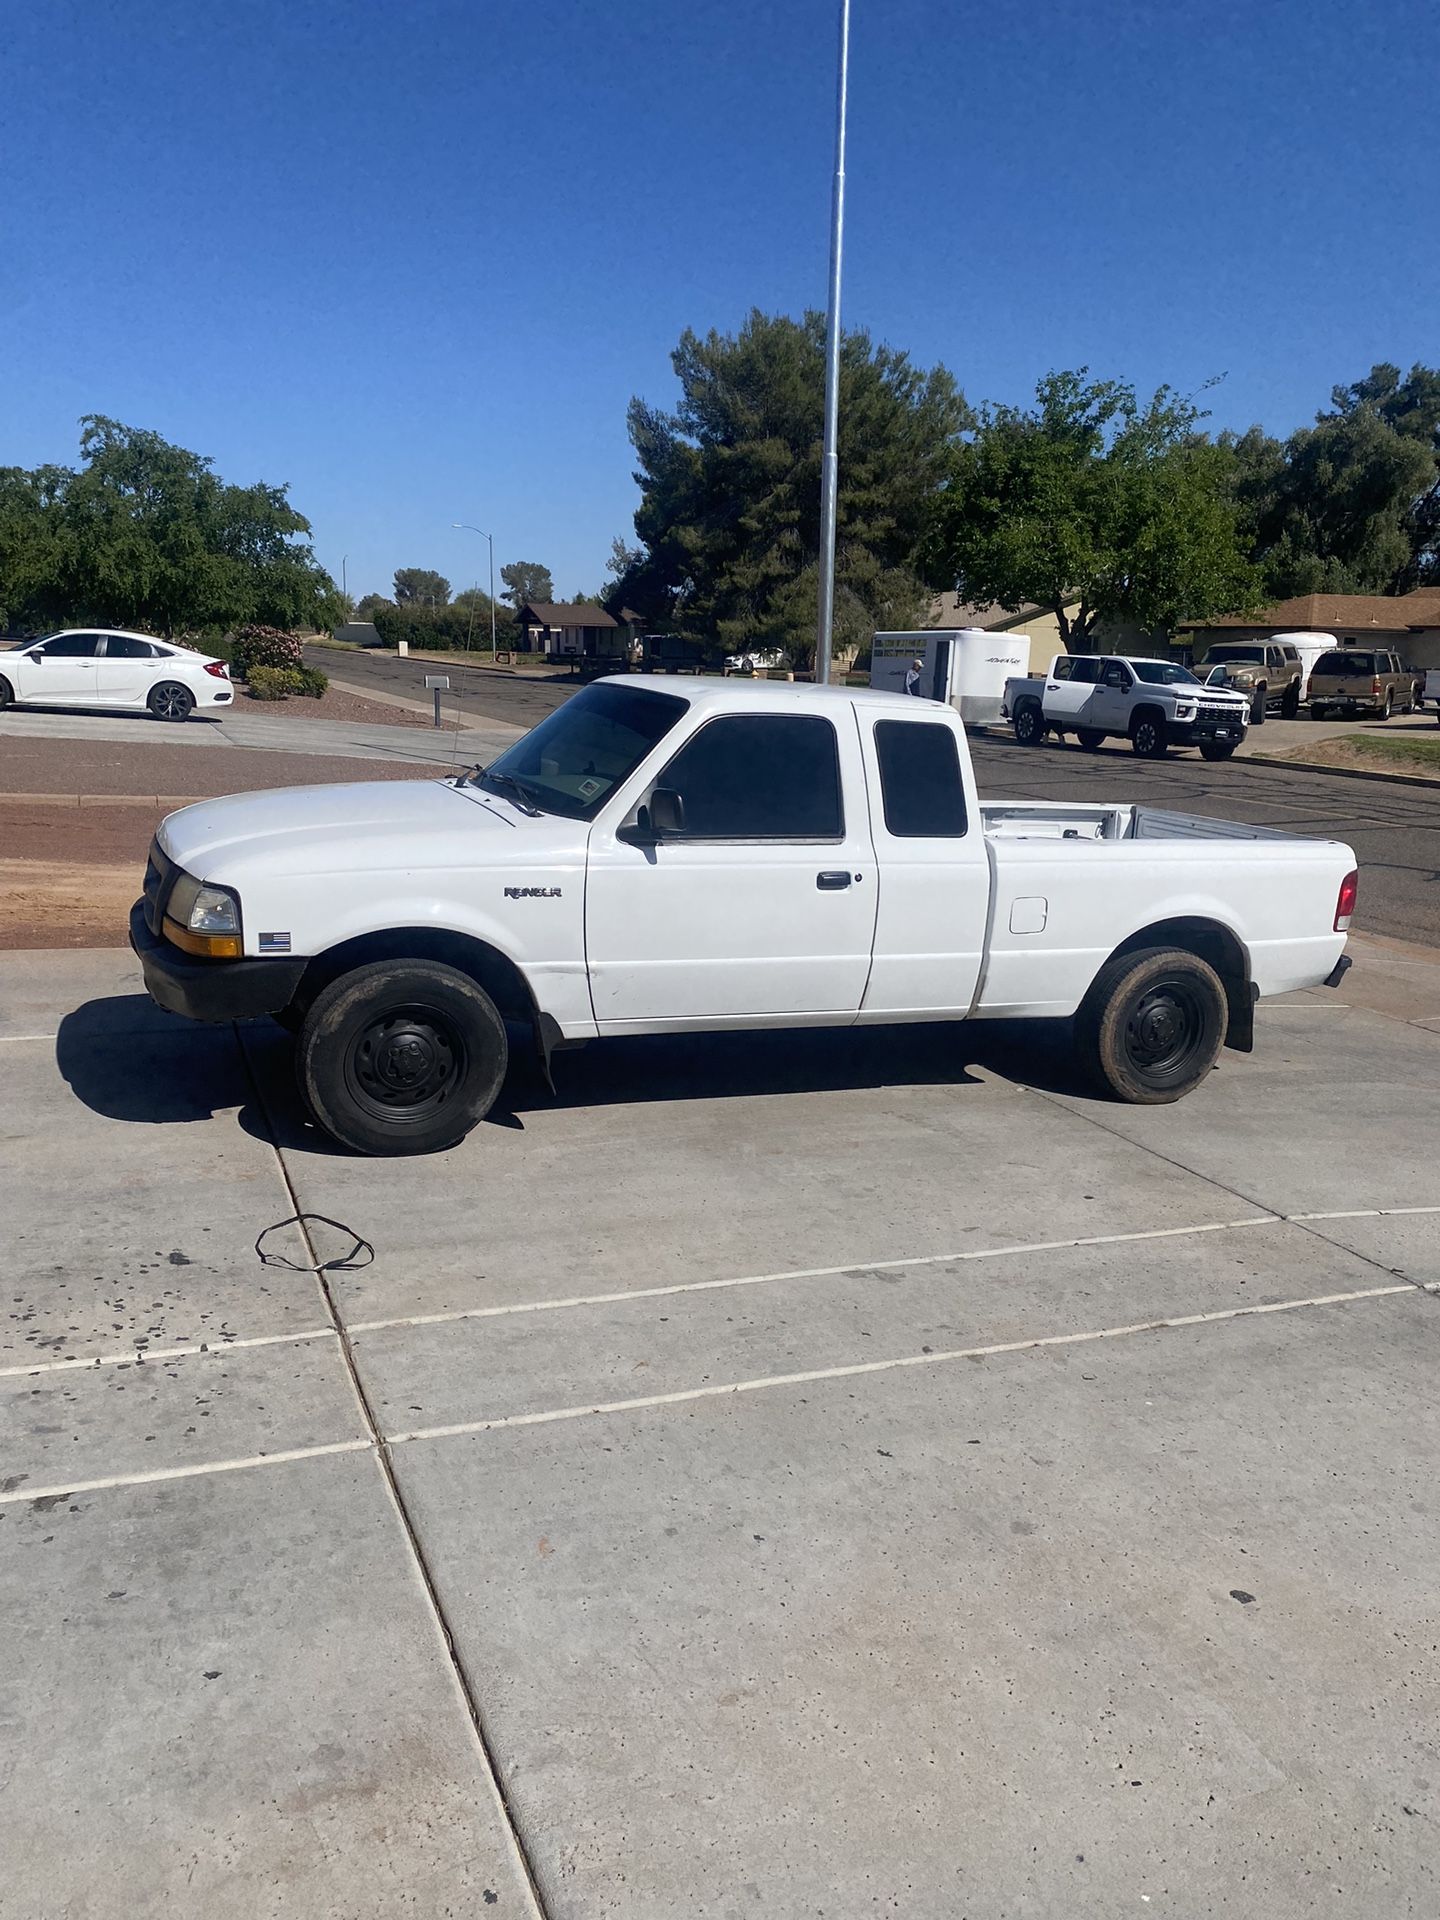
(1039, 626)
(581, 631)
(1407, 622)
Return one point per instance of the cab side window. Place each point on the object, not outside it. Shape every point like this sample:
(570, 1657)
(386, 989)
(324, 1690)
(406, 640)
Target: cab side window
(759, 777)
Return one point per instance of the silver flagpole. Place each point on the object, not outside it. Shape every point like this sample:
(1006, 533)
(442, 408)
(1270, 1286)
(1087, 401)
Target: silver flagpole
(830, 462)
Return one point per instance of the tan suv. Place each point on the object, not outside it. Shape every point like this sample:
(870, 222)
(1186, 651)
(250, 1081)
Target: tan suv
(1353, 680)
(1271, 672)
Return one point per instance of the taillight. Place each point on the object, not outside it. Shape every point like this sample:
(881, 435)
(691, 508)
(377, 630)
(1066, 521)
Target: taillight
(218, 668)
(1345, 905)
(1375, 687)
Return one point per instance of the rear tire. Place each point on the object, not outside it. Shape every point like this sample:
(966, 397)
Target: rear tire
(1147, 737)
(1090, 742)
(1389, 706)
(1030, 725)
(1290, 701)
(1215, 750)
(1151, 1026)
(401, 1057)
(171, 701)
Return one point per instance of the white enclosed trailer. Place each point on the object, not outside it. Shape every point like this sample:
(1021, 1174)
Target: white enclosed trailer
(966, 667)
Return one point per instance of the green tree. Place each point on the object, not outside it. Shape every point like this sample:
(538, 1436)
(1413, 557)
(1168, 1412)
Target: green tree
(729, 518)
(1352, 504)
(527, 580)
(366, 609)
(421, 586)
(146, 534)
(1096, 508)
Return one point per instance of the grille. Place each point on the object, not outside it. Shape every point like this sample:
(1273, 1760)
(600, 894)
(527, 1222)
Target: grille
(1212, 710)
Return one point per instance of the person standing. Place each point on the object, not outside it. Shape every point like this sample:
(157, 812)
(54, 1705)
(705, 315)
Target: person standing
(912, 678)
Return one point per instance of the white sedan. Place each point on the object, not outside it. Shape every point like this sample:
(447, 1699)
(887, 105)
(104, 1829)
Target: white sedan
(89, 667)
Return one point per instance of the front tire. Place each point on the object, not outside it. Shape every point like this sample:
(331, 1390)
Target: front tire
(401, 1057)
(170, 701)
(1257, 706)
(1151, 1026)
(1147, 737)
(1090, 741)
(1216, 750)
(1030, 725)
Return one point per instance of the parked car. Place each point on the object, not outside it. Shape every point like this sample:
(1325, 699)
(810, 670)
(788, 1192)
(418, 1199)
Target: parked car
(127, 671)
(756, 661)
(732, 855)
(1269, 672)
(1367, 680)
(1155, 704)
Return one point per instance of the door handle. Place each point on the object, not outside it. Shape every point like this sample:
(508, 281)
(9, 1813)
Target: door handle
(832, 882)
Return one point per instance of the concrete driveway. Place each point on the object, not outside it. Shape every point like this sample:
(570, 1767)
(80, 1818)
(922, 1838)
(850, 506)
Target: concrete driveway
(813, 1475)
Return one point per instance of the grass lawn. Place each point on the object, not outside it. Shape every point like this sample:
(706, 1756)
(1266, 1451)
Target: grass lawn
(1375, 752)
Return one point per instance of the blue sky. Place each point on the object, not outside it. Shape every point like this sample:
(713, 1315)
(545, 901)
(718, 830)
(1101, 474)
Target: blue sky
(414, 260)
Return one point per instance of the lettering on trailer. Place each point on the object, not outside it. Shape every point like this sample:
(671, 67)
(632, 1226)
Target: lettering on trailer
(532, 893)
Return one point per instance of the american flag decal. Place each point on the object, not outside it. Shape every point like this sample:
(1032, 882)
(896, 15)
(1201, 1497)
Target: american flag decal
(274, 943)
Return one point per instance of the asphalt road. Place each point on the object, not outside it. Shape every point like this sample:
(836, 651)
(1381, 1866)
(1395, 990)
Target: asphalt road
(1394, 829)
(484, 694)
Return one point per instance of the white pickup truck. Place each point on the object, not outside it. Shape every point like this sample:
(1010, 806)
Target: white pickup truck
(1154, 704)
(734, 854)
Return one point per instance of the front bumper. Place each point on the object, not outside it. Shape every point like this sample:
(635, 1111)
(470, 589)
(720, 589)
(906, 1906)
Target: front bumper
(210, 989)
(1194, 733)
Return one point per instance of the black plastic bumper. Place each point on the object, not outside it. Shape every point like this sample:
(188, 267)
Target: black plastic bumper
(1198, 733)
(210, 989)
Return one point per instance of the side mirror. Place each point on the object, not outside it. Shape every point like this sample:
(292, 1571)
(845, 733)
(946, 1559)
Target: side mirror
(667, 812)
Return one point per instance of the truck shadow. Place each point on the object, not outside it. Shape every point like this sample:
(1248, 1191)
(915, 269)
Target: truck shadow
(125, 1059)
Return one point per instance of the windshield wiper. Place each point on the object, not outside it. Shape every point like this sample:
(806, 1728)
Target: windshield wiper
(506, 783)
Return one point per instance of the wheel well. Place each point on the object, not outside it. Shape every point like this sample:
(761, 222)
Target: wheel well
(1224, 951)
(486, 965)
(1146, 712)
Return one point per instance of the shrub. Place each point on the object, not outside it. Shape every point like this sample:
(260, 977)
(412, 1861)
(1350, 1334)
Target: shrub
(214, 645)
(264, 647)
(311, 681)
(275, 683)
(441, 629)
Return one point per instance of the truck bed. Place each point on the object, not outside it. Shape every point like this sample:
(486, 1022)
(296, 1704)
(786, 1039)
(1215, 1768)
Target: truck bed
(1067, 820)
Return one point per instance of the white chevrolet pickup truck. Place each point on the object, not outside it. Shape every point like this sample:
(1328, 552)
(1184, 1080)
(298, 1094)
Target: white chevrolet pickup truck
(731, 854)
(1154, 704)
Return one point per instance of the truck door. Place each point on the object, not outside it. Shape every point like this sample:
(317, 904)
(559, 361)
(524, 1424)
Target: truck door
(935, 875)
(1067, 700)
(759, 901)
(940, 672)
(1108, 709)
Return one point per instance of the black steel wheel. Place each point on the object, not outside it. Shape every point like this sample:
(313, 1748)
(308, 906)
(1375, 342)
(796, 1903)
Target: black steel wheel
(1030, 724)
(1152, 1025)
(1147, 736)
(401, 1057)
(171, 701)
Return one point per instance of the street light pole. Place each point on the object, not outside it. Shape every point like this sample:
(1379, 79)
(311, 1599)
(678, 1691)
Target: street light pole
(830, 461)
(465, 527)
(344, 587)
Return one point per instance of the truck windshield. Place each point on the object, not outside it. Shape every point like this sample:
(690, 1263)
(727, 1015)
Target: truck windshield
(1235, 656)
(576, 757)
(1163, 673)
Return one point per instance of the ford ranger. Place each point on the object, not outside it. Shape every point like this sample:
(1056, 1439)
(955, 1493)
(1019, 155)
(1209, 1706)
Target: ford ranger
(735, 854)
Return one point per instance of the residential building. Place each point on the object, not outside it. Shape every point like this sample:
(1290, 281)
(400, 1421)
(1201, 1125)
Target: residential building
(582, 631)
(1407, 622)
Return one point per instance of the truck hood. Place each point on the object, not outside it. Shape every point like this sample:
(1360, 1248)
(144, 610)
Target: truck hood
(378, 826)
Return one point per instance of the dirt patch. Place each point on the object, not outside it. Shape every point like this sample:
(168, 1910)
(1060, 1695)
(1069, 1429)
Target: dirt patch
(1371, 753)
(80, 905)
(134, 767)
(340, 704)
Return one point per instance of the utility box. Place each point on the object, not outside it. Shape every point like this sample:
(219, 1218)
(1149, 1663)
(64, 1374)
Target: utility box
(964, 666)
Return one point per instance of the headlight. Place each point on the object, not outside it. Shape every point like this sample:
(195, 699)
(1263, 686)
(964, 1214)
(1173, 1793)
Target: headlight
(1186, 710)
(203, 920)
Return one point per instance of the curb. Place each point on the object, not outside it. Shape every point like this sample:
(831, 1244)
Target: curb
(1344, 773)
(105, 799)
